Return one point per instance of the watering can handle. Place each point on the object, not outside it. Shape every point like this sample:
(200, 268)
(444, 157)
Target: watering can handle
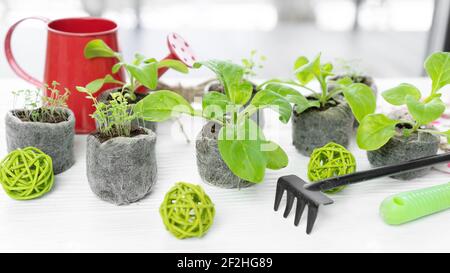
(10, 57)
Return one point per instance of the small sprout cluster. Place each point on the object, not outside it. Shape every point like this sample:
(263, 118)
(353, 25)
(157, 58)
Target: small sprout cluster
(377, 129)
(141, 72)
(114, 118)
(42, 108)
(252, 63)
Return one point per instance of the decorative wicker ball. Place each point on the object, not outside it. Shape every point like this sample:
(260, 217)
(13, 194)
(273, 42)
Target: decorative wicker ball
(26, 173)
(328, 161)
(187, 211)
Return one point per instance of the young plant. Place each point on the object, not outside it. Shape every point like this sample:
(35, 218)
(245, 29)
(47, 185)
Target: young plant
(113, 119)
(42, 108)
(252, 63)
(376, 130)
(359, 96)
(141, 71)
(241, 142)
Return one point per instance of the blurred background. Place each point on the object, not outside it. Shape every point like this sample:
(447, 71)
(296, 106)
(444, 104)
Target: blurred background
(383, 38)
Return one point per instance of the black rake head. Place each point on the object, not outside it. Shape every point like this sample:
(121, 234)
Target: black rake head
(295, 188)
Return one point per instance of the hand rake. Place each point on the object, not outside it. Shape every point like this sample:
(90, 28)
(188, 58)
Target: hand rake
(311, 193)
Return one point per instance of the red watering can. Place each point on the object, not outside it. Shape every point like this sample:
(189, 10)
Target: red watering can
(66, 64)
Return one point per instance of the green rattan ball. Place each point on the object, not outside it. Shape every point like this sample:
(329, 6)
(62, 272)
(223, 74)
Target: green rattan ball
(187, 211)
(328, 161)
(26, 173)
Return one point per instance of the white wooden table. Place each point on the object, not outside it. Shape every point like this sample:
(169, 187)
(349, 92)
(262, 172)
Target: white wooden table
(71, 218)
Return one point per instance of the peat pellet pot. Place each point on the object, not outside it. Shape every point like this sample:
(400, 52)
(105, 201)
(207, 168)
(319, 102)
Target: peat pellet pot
(401, 149)
(54, 139)
(122, 170)
(211, 166)
(106, 96)
(315, 127)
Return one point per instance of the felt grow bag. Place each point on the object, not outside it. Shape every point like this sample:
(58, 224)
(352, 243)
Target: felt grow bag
(54, 139)
(105, 97)
(402, 148)
(213, 170)
(122, 170)
(315, 127)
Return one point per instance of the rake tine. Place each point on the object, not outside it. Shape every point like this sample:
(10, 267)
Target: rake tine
(289, 203)
(278, 196)
(312, 216)
(295, 188)
(299, 210)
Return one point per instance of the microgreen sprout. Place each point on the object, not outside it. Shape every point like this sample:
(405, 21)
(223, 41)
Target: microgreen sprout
(252, 63)
(114, 118)
(38, 107)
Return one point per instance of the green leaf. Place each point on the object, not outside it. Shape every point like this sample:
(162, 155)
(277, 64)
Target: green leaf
(375, 131)
(146, 74)
(175, 65)
(425, 112)
(276, 157)
(82, 89)
(447, 134)
(138, 59)
(98, 48)
(241, 150)
(438, 68)
(361, 99)
(326, 70)
(215, 104)
(301, 61)
(306, 72)
(292, 95)
(397, 95)
(231, 76)
(266, 98)
(97, 84)
(162, 105)
(344, 81)
(116, 67)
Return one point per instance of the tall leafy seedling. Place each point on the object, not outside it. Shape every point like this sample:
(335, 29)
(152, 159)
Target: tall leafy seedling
(241, 142)
(142, 71)
(377, 129)
(359, 96)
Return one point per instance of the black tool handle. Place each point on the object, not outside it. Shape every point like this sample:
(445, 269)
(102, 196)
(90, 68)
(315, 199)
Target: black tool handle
(362, 176)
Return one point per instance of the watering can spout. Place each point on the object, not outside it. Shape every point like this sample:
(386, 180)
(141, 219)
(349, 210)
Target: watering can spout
(180, 50)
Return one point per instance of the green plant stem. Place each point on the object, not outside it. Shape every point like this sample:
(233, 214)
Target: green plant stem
(435, 132)
(416, 127)
(324, 97)
(182, 130)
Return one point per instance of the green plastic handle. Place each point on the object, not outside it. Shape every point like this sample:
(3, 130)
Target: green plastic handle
(409, 206)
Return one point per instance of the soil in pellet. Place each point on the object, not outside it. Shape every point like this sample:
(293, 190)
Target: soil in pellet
(103, 138)
(40, 115)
